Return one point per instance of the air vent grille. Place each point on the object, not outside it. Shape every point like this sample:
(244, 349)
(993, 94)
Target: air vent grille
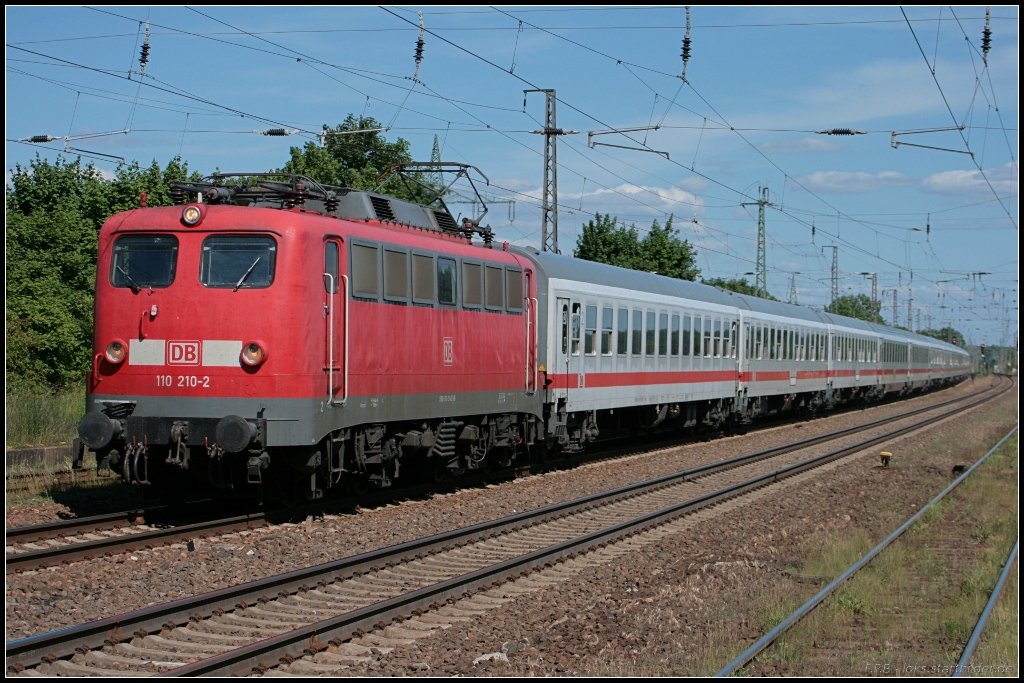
(382, 208)
(445, 221)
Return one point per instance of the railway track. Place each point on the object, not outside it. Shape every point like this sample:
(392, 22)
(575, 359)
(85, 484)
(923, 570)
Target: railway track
(304, 618)
(66, 541)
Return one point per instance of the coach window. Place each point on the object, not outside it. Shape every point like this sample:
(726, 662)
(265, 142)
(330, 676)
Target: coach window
(649, 335)
(472, 285)
(589, 345)
(396, 275)
(236, 262)
(697, 336)
(707, 338)
(663, 334)
(607, 321)
(514, 290)
(623, 332)
(365, 271)
(686, 336)
(718, 338)
(422, 279)
(446, 282)
(675, 334)
(144, 261)
(493, 283)
(577, 322)
(331, 267)
(638, 334)
(565, 328)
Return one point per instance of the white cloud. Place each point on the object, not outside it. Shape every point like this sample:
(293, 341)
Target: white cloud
(855, 181)
(972, 182)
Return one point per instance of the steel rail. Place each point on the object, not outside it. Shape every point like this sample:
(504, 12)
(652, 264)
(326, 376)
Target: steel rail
(87, 550)
(772, 635)
(63, 643)
(986, 613)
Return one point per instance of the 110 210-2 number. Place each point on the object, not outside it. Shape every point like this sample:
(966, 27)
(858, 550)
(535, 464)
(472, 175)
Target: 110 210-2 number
(189, 381)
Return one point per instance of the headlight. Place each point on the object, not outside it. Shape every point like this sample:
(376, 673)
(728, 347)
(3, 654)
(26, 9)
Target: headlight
(192, 215)
(116, 351)
(253, 353)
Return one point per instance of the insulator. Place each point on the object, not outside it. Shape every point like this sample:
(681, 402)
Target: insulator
(332, 203)
(686, 49)
(144, 59)
(986, 41)
(300, 193)
(419, 51)
(277, 132)
(42, 138)
(177, 194)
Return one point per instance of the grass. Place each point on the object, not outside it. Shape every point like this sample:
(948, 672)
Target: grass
(37, 417)
(917, 602)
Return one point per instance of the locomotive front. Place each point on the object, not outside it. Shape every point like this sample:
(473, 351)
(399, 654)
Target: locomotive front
(192, 305)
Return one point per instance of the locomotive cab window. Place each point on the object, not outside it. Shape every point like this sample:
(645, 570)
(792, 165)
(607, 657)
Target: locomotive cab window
(238, 262)
(144, 261)
(331, 267)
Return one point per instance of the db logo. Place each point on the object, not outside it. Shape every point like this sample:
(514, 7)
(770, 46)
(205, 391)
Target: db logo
(183, 353)
(449, 353)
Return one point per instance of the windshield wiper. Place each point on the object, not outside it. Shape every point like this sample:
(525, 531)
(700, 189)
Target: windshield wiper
(242, 279)
(136, 287)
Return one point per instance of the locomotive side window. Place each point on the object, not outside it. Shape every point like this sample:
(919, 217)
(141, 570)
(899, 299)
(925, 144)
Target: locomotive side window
(396, 275)
(238, 262)
(638, 323)
(589, 341)
(493, 281)
(446, 282)
(514, 289)
(472, 286)
(623, 332)
(365, 271)
(144, 261)
(423, 278)
(607, 320)
(331, 267)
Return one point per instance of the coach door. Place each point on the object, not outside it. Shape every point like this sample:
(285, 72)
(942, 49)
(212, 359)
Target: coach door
(568, 357)
(335, 322)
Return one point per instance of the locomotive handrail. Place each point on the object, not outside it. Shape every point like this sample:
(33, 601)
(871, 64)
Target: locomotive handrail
(536, 337)
(345, 371)
(331, 400)
(330, 339)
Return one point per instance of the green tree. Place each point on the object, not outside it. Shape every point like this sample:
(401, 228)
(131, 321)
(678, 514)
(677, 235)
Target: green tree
(353, 160)
(739, 285)
(54, 212)
(946, 334)
(858, 306)
(660, 251)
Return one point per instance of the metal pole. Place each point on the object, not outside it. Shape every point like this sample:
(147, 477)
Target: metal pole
(761, 268)
(549, 206)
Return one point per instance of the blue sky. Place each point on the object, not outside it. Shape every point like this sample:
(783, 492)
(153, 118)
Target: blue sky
(760, 82)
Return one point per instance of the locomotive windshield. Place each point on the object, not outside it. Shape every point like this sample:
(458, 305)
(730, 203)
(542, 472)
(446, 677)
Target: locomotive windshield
(144, 261)
(238, 262)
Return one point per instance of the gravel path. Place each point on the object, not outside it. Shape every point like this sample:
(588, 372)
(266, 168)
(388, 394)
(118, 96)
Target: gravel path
(42, 601)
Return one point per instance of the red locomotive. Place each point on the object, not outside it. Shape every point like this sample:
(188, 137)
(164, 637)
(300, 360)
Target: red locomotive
(277, 332)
